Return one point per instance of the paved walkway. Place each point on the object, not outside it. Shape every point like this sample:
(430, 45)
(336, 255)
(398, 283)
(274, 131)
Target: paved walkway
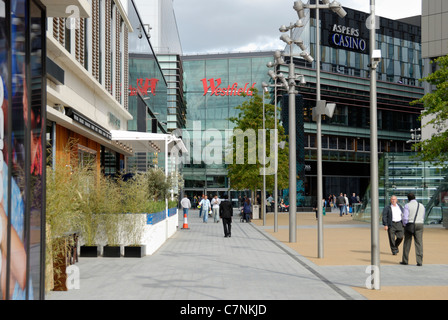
(200, 264)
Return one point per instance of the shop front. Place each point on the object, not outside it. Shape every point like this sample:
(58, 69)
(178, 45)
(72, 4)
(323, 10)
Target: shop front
(22, 138)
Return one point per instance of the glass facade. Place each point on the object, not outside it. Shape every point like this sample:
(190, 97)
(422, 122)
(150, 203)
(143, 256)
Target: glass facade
(345, 46)
(208, 111)
(22, 174)
(344, 81)
(404, 173)
(148, 93)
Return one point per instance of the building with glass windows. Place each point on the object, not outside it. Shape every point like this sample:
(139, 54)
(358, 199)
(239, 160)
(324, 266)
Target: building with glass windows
(159, 21)
(345, 81)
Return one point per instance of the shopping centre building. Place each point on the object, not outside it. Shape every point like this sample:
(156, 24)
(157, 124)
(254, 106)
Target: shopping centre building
(345, 81)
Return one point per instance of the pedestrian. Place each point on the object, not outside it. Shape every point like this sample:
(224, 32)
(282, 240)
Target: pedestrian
(247, 210)
(195, 202)
(392, 222)
(270, 204)
(283, 206)
(226, 214)
(340, 202)
(315, 209)
(413, 220)
(205, 207)
(199, 206)
(347, 204)
(186, 204)
(215, 207)
(353, 201)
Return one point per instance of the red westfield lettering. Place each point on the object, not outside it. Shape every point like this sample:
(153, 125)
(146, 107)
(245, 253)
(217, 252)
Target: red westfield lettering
(144, 86)
(213, 87)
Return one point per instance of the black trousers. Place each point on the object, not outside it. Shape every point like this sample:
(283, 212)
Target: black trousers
(396, 235)
(227, 224)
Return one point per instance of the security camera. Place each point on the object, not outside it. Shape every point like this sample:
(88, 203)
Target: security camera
(376, 58)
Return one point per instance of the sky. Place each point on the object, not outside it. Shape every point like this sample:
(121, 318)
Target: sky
(222, 26)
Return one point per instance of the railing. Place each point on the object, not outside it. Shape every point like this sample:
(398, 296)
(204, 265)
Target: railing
(401, 174)
(154, 218)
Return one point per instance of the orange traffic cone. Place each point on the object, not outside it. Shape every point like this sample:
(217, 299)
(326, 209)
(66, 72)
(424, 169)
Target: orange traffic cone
(185, 222)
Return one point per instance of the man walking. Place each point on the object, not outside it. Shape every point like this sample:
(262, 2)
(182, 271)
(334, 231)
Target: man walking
(226, 214)
(340, 202)
(413, 220)
(215, 208)
(392, 222)
(205, 207)
(186, 204)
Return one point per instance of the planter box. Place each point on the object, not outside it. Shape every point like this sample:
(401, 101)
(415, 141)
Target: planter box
(90, 251)
(112, 251)
(135, 251)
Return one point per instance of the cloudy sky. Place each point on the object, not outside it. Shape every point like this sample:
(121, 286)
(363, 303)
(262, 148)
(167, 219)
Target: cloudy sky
(211, 26)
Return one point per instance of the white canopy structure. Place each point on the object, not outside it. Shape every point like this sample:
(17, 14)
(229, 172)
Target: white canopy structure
(149, 142)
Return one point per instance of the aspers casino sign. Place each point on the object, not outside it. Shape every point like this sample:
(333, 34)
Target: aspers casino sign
(347, 38)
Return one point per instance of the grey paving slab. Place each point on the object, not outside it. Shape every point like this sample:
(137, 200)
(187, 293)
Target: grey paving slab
(200, 264)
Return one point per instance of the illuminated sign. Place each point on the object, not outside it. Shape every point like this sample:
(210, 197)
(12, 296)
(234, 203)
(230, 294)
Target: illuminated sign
(347, 38)
(144, 86)
(213, 87)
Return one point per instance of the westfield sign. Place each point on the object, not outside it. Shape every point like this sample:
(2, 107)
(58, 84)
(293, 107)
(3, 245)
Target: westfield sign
(213, 87)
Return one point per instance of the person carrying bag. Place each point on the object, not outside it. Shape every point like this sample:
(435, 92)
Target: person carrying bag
(413, 221)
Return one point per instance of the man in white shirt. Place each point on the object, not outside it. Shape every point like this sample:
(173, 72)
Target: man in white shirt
(392, 222)
(186, 204)
(215, 207)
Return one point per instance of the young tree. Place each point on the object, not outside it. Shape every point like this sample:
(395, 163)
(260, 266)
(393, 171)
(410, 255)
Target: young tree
(246, 174)
(436, 110)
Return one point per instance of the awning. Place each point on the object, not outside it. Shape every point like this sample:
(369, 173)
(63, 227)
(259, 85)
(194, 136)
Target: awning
(149, 142)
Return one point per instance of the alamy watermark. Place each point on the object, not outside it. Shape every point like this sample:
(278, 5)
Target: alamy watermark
(373, 279)
(73, 281)
(72, 21)
(218, 147)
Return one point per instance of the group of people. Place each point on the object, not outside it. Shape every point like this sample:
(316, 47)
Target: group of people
(401, 223)
(270, 204)
(218, 208)
(404, 224)
(343, 203)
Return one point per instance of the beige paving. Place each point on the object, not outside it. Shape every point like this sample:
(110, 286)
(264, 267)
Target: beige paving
(348, 243)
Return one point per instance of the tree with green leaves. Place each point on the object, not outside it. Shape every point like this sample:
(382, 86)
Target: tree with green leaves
(245, 171)
(436, 111)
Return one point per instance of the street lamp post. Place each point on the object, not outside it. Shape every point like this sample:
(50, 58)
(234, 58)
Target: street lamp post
(263, 196)
(416, 137)
(321, 107)
(375, 60)
(290, 85)
(265, 86)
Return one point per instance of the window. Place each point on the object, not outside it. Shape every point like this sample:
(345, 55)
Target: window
(86, 156)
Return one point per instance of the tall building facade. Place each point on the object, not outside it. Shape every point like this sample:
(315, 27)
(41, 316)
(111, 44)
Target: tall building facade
(159, 22)
(88, 80)
(345, 81)
(434, 43)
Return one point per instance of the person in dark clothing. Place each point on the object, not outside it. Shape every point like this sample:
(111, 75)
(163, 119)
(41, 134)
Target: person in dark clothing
(226, 214)
(340, 202)
(392, 222)
(247, 210)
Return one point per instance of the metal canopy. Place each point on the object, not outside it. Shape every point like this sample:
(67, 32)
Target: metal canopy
(149, 142)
